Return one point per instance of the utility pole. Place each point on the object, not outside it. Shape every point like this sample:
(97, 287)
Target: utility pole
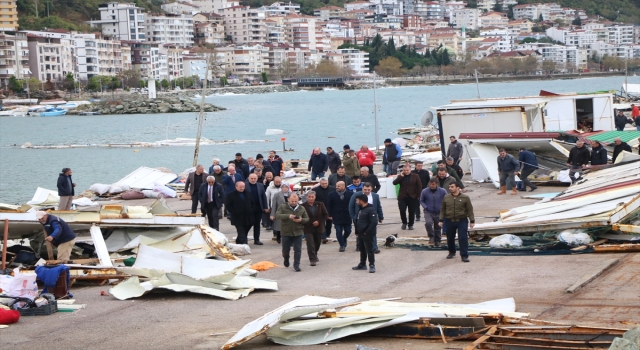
(375, 112)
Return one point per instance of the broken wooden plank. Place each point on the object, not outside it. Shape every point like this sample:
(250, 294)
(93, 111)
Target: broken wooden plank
(482, 339)
(74, 261)
(617, 248)
(592, 274)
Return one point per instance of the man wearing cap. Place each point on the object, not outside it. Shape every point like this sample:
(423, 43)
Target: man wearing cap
(455, 150)
(374, 200)
(65, 189)
(350, 163)
(366, 229)
(58, 233)
(242, 166)
(391, 157)
(334, 160)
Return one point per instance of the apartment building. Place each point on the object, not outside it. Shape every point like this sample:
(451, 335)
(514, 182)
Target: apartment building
(275, 31)
(620, 34)
(95, 55)
(145, 57)
(486, 5)
(449, 40)
(411, 21)
(532, 11)
(8, 15)
(178, 7)
(356, 61)
(494, 19)
(329, 12)
(14, 57)
(389, 7)
(300, 31)
(408, 6)
(359, 5)
(214, 5)
(565, 57)
(170, 29)
(124, 21)
(466, 17)
(430, 10)
(244, 25)
(612, 50)
(280, 9)
(208, 33)
(175, 64)
(245, 62)
(50, 58)
(580, 38)
(450, 6)
(521, 25)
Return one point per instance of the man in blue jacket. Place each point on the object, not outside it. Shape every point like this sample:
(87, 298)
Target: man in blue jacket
(318, 164)
(529, 164)
(58, 233)
(508, 167)
(338, 208)
(392, 156)
(373, 199)
(256, 192)
(431, 202)
(65, 189)
(211, 197)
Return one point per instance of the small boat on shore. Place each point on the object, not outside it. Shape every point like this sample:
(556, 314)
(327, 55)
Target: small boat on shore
(14, 111)
(49, 112)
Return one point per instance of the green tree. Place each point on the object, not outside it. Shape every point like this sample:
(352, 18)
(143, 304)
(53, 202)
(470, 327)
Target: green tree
(164, 84)
(223, 81)
(264, 77)
(540, 18)
(446, 60)
(497, 7)
(389, 67)
(577, 21)
(114, 83)
(510, 13)
(14, 85)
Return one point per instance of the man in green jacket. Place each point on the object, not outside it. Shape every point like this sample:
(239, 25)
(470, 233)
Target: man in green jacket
(292, 219)
(456, 213)
(350, 163)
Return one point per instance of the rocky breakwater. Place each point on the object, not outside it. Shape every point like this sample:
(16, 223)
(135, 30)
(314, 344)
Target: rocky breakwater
(132, 104)
(238, 90)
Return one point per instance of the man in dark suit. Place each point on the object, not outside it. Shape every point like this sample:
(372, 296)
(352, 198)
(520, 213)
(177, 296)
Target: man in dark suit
(230, 180)
(314, 228)
(373, 199)
(322, 191)
(192, 186)
(211, 198)
(258, 199)
(338, 208)
(242, 165)
(408, 195)
(240, 208)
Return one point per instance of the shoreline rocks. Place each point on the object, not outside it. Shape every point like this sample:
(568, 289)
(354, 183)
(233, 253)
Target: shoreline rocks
(140, 104)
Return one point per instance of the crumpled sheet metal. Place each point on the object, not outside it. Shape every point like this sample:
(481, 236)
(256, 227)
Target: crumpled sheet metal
(302, 306)
(356, 319)
(180, 273)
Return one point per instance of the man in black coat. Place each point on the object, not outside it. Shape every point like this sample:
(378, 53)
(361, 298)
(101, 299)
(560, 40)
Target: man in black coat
(211, 196)
(598, 154)
(338, 208)
(258, 199)
(318, 164)
(618, 147)
(579, 157)
(366, 176)
(65, 189)
(424, 176)
(366, 226)
(621, 120)
(322, 194)
(334, 160)
(242, 165)
(239, 205)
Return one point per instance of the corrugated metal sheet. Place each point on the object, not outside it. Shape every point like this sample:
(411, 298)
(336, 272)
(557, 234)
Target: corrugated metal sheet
(492, 103)
(144, 178)
(510, 135)
(607, 137)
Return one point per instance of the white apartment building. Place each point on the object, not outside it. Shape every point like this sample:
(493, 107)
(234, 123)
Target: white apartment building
(329, 12)
(50, 58)
(124, 21)
(145, 57)
(214, 5)
(245, 61)
(532, 11)
(185, 7)
(244, 24)
(466, 17)
(494, 19)
(299, 31)
(96, 56)
(580, 38)
(275, 31)
(620, 34)
(355, 60)
(408, 7)
(280, 9)
(170, 29)
(486, 5)
(390, 7)
(504, 38)
(434, 10)
(359, 5)
(612, 50)
(194, 65)
(14, 57)
(565, 56)
(8, 15)
(450, 6)
(175, 65)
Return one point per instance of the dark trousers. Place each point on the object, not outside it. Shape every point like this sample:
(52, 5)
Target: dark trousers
(434, 231)
(524, 175)
(287, 243)
(365, 244)
(404, 204)
(418, 209)
(463, 237)
(194, 203)
(242, 234)
(277, 234)
(370, 168)
(327, 228)
(508, 178)
(266, 220)
(257, 217)
(212, 211)
(342, 238)
(314, 240)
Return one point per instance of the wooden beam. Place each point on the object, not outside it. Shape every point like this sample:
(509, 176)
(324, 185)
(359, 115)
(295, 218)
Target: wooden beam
(482, 339)
(76, 261)
(49, 246)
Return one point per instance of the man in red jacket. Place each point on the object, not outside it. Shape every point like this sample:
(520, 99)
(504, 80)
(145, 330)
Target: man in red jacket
(366, 157)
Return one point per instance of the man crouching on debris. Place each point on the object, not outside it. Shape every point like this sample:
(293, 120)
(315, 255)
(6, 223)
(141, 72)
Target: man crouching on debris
(58, 233)
(457, 213)
(292, 219)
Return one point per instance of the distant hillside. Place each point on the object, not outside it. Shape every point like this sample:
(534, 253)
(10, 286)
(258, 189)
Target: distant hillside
(68, 14)
(627, 11)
